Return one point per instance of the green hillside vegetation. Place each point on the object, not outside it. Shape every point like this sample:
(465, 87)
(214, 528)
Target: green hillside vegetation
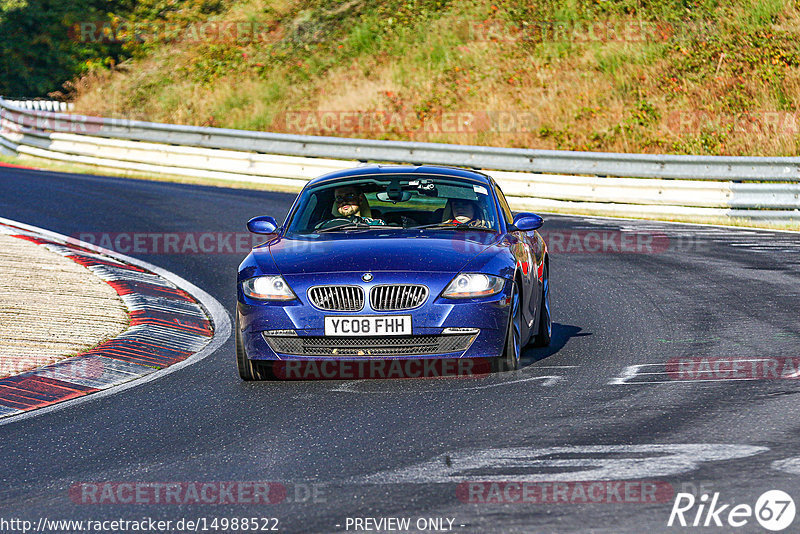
(657, 76)
(37, 52)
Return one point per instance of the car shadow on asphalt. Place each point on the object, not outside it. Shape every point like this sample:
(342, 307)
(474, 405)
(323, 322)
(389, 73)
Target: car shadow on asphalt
(560, 335)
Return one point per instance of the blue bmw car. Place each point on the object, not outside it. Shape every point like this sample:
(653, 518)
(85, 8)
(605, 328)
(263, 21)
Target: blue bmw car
(393, 263)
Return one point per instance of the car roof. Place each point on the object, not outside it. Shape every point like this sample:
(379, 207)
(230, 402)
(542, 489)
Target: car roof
(371, 170)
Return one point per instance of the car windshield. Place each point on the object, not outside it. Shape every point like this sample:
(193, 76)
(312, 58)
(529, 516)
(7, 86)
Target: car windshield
(389, 202)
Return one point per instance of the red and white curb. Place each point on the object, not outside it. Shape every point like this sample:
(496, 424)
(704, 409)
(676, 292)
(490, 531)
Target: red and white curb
(173, 323)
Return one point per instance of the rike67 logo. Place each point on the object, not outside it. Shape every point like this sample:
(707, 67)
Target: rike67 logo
(774, 510)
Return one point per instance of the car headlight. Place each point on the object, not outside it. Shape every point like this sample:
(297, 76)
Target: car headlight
(268, 288)
(471, 285)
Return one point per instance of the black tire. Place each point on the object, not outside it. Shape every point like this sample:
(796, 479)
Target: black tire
(544, 335)
(512, 351)
(248, 369)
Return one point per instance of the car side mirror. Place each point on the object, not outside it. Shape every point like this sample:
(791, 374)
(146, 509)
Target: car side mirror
(527, 222)
(263, 224)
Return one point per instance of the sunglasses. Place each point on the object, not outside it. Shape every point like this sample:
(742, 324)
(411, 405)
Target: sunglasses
(348, 197)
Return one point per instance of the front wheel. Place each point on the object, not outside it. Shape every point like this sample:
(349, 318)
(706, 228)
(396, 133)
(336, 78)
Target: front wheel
(543, 336)
(248, 369)
(509, 360)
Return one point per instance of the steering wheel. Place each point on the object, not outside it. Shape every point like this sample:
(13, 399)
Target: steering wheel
(331, 223)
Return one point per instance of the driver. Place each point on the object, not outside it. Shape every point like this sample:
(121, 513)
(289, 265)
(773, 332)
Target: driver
(351, 204)
(465, 212)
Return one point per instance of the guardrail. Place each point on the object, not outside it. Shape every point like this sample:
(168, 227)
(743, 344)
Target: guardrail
(41, 105)
(623, 184)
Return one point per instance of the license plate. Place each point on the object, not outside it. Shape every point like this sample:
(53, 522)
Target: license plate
(388, 325)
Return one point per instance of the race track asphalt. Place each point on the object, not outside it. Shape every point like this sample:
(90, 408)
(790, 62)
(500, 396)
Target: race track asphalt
(602, 403)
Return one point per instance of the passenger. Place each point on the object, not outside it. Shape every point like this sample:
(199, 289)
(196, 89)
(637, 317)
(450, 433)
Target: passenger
(464, 211)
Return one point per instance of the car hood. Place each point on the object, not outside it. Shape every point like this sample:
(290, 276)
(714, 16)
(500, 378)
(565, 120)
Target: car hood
(405, 251)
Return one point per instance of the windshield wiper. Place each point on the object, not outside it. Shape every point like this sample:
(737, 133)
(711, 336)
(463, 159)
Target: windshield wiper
(460, 226)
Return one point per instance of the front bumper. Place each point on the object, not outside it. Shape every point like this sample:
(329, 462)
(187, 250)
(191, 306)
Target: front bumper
(375, 346)
(429, 339)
